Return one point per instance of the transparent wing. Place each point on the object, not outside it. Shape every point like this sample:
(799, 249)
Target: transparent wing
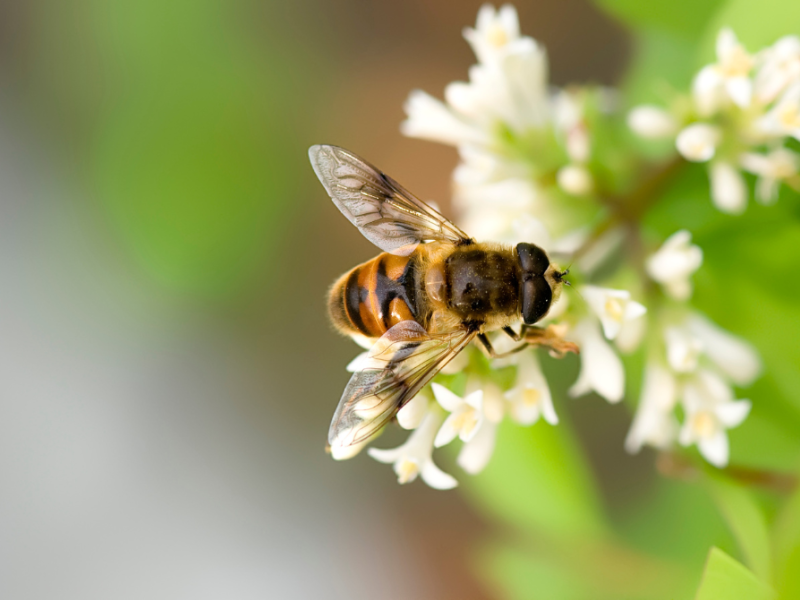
(400, 364)
(387, 214)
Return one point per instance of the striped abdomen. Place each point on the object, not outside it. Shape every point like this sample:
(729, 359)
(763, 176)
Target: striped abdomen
(374, 296)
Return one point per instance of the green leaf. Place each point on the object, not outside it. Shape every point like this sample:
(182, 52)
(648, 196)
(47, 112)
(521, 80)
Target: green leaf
(757, 23)
(685, 17)
(662, 66)
(746, 521)
(786, 542)
(538, 480)
(726, 579)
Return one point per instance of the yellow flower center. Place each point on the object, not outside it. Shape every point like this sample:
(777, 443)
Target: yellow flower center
(615, 309)
(737, 64)
(704, 424)
(789, 116)
(531, 397)
(497, 36)
(465, 422)
(783, 168)
(407, 470)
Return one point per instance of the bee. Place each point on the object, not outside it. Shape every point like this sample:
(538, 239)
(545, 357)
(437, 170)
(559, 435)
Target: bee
(430, 293)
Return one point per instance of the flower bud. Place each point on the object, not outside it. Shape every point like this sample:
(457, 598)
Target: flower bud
(698, 142)
(575, 180)
(652, 122)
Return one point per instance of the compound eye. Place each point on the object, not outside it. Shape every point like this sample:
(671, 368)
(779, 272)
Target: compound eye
(536, 299)
(532, 259)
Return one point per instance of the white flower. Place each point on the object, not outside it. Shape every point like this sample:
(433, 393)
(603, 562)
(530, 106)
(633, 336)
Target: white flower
(654, 423)
(359, 363)
(737, 359)
(731, 74)
(710, 410)
(631, 335)
(508, 86)
(429, 119)
(784, 118)
(530, 397)
(575, 180)
(772, 168)
(411, 415)
(342, 449)
(415, 456)
(613, 307)
(652, 122)
(601, 368)
(698, 142)
(683, 349)
(568, 117)
(674, 263)
(466, 415)
(728, 189)
(475, 454)
(780, 66)
(496, 34)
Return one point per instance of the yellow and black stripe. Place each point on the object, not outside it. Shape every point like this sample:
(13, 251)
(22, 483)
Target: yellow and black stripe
(375, 296)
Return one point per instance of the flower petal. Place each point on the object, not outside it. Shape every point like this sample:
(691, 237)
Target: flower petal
(728, 189)
(735, 357)
(448, 400)
(732, 414)
(715, 449)
(475, 454)
(411, 415)
(436, 478)
(447, 432)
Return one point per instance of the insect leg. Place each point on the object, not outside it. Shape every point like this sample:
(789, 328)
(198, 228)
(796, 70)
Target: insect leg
(490, 352)
(513, 334)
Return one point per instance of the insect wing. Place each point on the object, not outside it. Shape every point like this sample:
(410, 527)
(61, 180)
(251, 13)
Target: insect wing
(399, 365)
(387, 214)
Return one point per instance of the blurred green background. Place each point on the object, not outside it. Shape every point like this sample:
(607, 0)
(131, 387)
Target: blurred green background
(168, 372)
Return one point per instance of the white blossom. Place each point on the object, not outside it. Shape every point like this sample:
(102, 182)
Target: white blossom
(612, 307)
(568, 118)
(780, 66)
(683, 349)
(342, 448)
(465, 418)
(429, 118)
(710, 411)
(475, 453)
(530, 397)
(737, 359)
(411, 415)
(651, 121)
(414, 458)
(698, 142)
(654, 423)
(730, 74)
(674, 263)
(601, 369)
(496, 34)
(728, 188)
(783, 119)
(772, 168)
(575, 180)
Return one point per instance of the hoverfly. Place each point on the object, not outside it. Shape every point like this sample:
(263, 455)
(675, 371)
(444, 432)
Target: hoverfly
(418, 304)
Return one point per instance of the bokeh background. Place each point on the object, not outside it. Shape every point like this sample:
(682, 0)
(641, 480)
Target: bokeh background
(168, 374)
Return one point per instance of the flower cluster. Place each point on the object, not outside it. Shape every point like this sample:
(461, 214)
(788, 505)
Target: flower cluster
(517, 139)
(692, 363)
(527, 149)
(744, 108)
